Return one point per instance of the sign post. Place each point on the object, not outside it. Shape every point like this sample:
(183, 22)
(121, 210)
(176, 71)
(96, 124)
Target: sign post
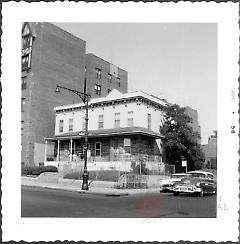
(184, 164)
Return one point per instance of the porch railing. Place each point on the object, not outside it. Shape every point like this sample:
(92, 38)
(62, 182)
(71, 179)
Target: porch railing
(116, 157)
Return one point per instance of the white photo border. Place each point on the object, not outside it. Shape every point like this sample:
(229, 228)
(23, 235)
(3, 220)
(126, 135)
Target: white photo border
(222, 228)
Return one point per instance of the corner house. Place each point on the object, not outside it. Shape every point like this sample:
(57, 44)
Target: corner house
(122, 128)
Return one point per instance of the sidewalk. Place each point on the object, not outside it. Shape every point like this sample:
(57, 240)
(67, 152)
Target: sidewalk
(96, 187)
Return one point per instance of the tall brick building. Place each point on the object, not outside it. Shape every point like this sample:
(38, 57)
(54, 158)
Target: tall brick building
(52, 56)
(103, 77)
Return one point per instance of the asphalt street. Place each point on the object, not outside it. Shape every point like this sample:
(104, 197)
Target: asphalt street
(42, 202)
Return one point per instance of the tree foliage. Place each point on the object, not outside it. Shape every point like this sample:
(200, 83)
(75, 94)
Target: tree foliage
(180, 141)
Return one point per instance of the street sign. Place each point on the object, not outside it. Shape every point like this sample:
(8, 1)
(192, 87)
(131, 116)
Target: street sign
(184, 163)
(88, 153)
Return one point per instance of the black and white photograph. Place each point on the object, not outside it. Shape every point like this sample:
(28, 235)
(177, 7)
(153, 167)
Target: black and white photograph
(86, 129)
(123, 122)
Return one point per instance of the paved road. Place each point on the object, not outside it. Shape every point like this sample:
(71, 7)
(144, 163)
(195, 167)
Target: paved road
(42, 202)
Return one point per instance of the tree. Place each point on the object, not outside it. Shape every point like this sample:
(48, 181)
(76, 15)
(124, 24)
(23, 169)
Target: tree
(180, 140)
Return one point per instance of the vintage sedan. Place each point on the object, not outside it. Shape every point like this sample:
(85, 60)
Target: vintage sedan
(201, 174)
(167, 184)
(194, 185)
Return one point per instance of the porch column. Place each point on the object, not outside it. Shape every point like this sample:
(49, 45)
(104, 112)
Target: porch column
(58, 151)
(45, 153)
(71, 141)
(74, 147)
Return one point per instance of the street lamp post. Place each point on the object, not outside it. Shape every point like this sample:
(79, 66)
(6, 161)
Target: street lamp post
(84, 97)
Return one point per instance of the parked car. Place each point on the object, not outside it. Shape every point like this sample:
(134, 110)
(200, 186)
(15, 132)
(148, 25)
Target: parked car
(196, 183)
(201, 174)
(167, 184)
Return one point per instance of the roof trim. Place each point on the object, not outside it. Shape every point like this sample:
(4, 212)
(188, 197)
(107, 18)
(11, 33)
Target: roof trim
(121, 98)
(108, 132)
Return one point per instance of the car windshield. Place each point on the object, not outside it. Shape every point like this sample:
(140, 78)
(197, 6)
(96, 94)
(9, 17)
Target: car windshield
(201, 175)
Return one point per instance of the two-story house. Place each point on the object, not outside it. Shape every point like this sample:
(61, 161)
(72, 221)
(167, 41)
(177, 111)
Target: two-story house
(122, 128)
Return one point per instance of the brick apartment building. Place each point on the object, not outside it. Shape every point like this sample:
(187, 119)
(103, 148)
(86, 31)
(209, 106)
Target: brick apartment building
(52, 56)
(103, 77)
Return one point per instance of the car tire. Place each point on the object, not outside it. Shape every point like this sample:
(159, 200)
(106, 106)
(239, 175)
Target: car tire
(200, 194)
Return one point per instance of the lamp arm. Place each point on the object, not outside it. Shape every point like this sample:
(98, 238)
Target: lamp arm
(80, 94)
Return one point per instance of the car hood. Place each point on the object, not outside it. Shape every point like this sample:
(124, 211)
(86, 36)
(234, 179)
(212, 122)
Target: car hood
(169, 181)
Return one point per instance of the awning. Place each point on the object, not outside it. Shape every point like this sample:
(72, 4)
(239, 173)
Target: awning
(107, 132)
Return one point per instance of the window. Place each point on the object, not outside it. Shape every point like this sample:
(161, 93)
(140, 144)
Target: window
(26, 41)
(109, 77)
(98, 149)
(25, 62)
(61, 125)
(23, 103)
(26, 30)
(109, 90)
(22, 124)
(100, 121)
(118, 81)
(70, 125)
(130, 118)
(127, 145)
(149, 121)
(24, 83)
(117, 120)
(97, 89)
(98, 73)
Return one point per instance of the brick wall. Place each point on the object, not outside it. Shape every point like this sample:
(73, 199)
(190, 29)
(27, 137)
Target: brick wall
(57, 58)
(94, 62)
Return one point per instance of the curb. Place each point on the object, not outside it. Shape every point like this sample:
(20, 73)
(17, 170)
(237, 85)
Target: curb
(79, 190)
(110, 193)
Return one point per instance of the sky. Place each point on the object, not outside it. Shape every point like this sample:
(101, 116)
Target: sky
(175, 61)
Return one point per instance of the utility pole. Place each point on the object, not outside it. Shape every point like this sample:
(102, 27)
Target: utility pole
(84, 97)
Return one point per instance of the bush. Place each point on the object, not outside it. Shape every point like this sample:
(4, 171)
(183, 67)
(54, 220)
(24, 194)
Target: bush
(37, 170)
